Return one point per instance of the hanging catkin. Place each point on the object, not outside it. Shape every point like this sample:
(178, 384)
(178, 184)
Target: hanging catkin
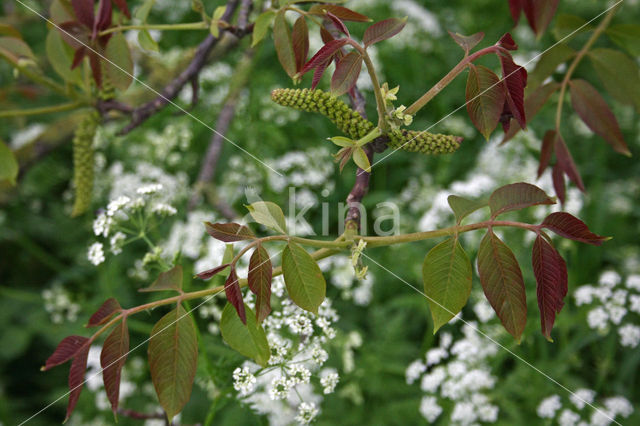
(83, 162)
(352, 124)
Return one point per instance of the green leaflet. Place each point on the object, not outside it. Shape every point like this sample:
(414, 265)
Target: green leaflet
(447, 273)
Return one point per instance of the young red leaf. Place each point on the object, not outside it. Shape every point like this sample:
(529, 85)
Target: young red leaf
(339, 24)
(205, 275)
(317, 74)
(104, 312)
(284, 44)
(557, 175)
(532, 105)
(96, 68)
(234, 294)
(122, 5)
(84, 12)
(546, 150)
(65, 350)
(551, 278)
(383, 30)
(515, 8)
(566, 163)
(326, 35)
(467, 42)
(339, 11)
(507, 42)
(515, 197)
(76, 378)
(167, 280)
(259, 279)
(539, 13)
(346, 73)
(485, 99)
(112, 358)
(569, 226)
(595, 113)
(173, 358)
(103, 18)
(300, 40)
(502, 283)
(229, 232)
(324, 55)
(515, 80)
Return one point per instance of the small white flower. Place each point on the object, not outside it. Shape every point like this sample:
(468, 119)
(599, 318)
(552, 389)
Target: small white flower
(581, 397)
(164, 209)
(279, 349)
(583, 295)
(243, 381)
(319, 355)
(629, 335)
(633, 282)
(435, 356)
(329, 379)
(634, 303)
(609, 279)
(96, 254)
(149, 189)
(116, 242)
(548, 407)
(137, 203)
(279, 388)
(597, 318)
(300, 324)
(307, 411)
(431, 381)
(464, 413)
(430, 409)
(414, 370)
(619, 405)
(118, 204)
(568, 418)
(488, 413)
(299, 374)
(102, 225)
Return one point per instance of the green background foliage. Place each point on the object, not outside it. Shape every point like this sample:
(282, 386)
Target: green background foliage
(42, 246)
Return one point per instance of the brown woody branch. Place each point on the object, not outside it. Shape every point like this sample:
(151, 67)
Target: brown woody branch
(210, 161)
(189, 74)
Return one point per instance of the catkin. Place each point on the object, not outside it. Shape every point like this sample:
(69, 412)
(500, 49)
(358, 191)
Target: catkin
(355, 126)
(83, 162)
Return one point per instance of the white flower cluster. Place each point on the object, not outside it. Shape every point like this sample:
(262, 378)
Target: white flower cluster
(58, 303)
(126, 217)
(457, 374)
(578, 411)
(610, 304)
(291, 387)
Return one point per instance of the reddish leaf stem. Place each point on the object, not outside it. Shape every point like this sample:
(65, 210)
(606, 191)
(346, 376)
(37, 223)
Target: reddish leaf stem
(444, 82)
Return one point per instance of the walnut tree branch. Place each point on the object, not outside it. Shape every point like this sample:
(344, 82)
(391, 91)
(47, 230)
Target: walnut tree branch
(171, 90)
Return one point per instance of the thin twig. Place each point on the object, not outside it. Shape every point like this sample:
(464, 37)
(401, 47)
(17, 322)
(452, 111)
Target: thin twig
(143, 112)
(210, 161)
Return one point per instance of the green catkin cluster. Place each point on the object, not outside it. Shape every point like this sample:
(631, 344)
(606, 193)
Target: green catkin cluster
(355, 126)
(347, 120)
(83, 162)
